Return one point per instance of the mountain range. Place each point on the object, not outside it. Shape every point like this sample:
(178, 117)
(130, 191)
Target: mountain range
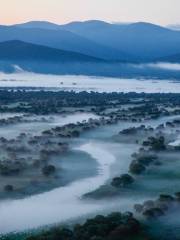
(94, 47)
(124, 42)
(61, 39)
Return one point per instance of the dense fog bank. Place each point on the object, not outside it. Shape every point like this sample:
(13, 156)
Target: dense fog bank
(106, 69)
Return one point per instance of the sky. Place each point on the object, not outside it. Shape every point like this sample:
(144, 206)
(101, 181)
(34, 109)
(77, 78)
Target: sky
(161, 12)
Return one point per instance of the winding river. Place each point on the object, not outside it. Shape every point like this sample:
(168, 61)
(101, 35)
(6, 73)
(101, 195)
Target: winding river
(66, 203)
(60, 204)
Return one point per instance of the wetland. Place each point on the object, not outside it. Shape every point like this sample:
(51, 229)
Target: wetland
(68, 156)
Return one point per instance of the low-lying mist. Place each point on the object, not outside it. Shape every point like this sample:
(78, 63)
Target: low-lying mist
(87, 83)
(103, 69)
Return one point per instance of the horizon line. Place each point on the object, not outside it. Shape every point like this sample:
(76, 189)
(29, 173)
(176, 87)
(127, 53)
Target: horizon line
(89, 20)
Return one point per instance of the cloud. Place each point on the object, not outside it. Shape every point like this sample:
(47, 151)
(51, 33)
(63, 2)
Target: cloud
(166, 66)
(160, 65)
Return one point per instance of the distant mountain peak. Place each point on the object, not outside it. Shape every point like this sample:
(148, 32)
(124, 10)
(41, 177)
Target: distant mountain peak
(88, 23)
(38, 24)
(148, 26)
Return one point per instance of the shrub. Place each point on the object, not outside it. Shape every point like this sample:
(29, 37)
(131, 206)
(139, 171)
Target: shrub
(122, 181)
(48, 170)
(8, 188)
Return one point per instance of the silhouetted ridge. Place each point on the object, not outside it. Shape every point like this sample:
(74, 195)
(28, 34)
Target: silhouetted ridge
(19, 50)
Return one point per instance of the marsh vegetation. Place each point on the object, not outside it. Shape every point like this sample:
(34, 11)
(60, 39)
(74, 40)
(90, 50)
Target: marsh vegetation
(68, 156)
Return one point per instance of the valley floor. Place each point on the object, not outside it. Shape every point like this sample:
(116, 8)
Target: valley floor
(69, 156)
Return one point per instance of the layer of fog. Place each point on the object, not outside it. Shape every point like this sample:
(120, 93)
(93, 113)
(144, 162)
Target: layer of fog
(169, 225)
(37, 127)
(85, 83)
(166, 66)
(65, 203)
(60, 204)
(107, 69)
(9, 115)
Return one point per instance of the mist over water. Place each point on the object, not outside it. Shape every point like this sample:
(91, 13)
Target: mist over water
(66, 203)
(60, 204)
(39, 126)
(87, 83)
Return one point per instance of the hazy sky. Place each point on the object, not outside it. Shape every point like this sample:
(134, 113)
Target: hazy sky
(61, 11)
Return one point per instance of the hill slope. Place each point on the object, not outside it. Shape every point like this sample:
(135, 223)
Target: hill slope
(144, 40)
(18, 56)
(18, 50)
(171, 59)
(61, 39)
(126, 42)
